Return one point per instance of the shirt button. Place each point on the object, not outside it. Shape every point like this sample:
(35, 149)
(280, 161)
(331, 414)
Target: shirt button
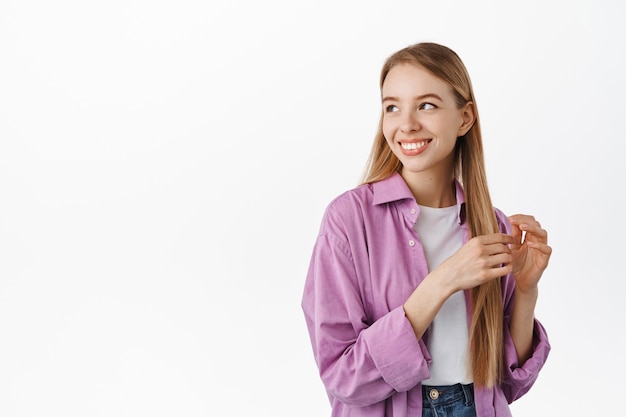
(412, 211)
(411, 242)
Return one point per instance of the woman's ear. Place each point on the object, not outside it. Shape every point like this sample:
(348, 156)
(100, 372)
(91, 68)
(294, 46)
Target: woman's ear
(468, 117)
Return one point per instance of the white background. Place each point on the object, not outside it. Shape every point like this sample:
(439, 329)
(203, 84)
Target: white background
(164, 166)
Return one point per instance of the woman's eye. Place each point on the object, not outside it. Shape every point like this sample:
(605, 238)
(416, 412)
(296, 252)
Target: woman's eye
(428, 106)
(391, 108)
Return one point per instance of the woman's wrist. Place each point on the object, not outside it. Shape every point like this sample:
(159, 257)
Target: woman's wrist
(529, 294)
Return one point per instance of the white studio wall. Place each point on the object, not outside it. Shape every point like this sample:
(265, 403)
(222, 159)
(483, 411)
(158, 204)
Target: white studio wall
(164, 167)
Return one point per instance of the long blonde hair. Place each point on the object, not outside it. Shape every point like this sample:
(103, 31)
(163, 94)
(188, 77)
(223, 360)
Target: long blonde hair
(486, 329)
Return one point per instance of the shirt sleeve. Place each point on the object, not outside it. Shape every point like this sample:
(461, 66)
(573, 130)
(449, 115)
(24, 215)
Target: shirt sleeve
(360, 362)
(517, 380)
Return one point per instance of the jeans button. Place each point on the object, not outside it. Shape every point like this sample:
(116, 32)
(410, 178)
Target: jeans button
(434, 394)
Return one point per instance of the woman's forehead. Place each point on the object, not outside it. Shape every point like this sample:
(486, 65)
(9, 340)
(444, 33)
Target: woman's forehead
(408, 78)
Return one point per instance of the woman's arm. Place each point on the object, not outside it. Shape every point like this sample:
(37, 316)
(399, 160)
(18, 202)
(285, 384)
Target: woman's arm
(360, 363)
(531, 254)
(523, 323)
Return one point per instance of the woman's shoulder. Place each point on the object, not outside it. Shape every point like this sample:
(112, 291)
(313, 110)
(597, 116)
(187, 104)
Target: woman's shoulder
(351, 203)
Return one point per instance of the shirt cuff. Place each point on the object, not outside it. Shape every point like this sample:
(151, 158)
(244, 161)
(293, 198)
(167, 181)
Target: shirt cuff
(399, 356)
(519, 379)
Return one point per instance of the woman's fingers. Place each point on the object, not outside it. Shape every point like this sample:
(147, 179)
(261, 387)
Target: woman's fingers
(527, 224)
(541, 247)
(531, 256)
(495, 238)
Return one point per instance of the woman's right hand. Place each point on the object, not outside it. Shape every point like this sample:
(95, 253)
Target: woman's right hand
(480, 260)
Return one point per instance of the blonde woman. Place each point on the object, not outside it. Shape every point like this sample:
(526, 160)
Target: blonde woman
(420, 295)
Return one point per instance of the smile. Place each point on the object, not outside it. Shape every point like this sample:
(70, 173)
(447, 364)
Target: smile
(412, 146)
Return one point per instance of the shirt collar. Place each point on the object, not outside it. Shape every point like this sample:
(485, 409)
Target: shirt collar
(395, 188)
(391, 189)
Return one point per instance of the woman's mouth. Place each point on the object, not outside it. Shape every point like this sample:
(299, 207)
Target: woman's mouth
(414, 147)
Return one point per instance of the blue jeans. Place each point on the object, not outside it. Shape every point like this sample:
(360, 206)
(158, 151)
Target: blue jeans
(448, 401)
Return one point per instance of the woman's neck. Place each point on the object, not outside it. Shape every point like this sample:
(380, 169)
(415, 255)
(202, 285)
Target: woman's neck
(431, 190)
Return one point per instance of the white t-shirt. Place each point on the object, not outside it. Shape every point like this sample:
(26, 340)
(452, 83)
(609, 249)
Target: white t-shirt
(441, 236)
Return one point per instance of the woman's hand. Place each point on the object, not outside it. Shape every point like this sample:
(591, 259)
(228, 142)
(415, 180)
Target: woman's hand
(481, 259)
(530, 255)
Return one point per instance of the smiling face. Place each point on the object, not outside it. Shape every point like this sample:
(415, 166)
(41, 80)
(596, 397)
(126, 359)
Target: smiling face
(422, 121)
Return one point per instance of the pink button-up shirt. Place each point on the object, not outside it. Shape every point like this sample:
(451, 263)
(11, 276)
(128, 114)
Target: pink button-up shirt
(366, 263)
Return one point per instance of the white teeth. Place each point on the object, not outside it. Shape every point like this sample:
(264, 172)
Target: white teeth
(413, 145)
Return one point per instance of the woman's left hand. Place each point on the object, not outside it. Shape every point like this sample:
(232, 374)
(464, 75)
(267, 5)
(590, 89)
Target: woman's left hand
(530, 256)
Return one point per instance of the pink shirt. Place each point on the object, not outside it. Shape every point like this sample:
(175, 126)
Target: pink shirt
(366, 262)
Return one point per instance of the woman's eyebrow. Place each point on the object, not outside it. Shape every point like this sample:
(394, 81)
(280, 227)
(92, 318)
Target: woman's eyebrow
(423, 96)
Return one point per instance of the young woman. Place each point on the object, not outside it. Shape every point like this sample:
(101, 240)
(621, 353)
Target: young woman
(420, 296)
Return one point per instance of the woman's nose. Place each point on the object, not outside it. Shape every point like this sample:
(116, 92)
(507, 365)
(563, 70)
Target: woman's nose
(409, 122)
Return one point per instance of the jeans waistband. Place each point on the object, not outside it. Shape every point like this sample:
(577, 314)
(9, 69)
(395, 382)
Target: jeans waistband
(443, 394)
